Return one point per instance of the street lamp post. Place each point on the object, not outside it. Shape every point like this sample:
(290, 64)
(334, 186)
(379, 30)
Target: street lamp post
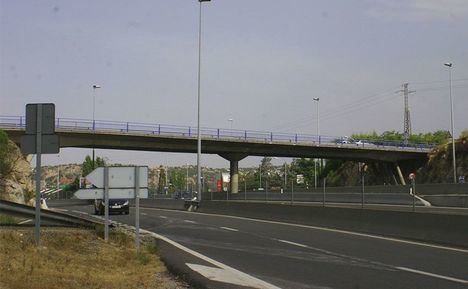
(316, 99)
(449, 65)
(186, 179)
(231, 121)
(95, 86)
(199, 188)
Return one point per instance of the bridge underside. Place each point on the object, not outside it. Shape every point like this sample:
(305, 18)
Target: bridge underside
(232, 150)
(227, 147)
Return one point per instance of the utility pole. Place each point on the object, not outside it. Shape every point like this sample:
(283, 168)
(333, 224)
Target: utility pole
(407, 119)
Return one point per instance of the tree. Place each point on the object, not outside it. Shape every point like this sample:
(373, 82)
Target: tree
(162, 180)
(88, 167)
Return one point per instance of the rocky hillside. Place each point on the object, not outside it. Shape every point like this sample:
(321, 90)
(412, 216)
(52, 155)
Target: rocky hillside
(438, 169)
(15, 173)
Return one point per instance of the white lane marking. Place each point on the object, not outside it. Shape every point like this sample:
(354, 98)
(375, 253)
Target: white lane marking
(433, 275)
(25, 221)
(229, 229)
(144, 214)
(396, 267)
(58, 209)
(80, 212)
(163, 217)
(260, 284)
(293, 243)
(328, 230)
(425, 203)
(228, 276)
(189, 221)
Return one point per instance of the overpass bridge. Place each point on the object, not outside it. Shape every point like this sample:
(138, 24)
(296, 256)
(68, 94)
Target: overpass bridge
(232, 145)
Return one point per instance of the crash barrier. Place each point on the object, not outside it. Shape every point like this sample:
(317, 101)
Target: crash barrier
(21, 210)
(169, 204)
(393, 195)
(68, 202)
(426, 227)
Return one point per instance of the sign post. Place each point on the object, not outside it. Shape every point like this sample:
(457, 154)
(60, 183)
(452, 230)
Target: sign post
(137, 208)
(106, 203)
(412, 177)
(39, 139)
(37, 219)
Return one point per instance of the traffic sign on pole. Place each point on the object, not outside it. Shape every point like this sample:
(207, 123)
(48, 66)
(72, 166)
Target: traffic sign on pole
(39, 139)
(117, 183)
(119, 177)
(98, 193)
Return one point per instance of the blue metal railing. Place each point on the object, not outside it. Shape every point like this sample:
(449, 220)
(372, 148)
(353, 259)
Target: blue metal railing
(210, 133)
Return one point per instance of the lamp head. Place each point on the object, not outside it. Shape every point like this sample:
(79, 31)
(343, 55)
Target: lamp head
(448, 64)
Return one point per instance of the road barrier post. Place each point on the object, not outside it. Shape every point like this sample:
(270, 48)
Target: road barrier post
(362, 190)
(324, 186)
(106, 203)
(412, 177)
(137, 207)
(292, 192)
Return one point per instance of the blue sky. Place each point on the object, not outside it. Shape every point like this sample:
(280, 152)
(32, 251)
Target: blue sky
(262, 63)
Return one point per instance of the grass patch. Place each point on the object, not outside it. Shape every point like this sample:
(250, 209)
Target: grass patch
(8, 220)
(77, 258)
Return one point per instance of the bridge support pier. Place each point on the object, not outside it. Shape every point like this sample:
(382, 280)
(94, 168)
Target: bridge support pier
(400, 175)
(234, 170)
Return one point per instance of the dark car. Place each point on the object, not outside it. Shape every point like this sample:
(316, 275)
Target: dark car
(115, 206)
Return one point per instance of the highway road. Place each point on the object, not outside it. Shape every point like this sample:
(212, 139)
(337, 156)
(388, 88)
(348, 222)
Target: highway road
(296, 256)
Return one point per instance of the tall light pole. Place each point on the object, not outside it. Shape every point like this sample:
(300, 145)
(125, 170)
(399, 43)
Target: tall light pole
(449, 65)
(317, 99)
(95, 86)
(186, 180)
(198, 101)
(231, 121)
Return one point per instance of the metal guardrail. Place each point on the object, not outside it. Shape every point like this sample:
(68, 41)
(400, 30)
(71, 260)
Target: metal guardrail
(210, 133)
(21, 210)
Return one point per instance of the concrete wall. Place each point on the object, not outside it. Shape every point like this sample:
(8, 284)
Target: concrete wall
(460, 201)
(424, 189)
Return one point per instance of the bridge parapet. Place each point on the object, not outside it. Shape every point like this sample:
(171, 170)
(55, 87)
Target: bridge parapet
(233, 135)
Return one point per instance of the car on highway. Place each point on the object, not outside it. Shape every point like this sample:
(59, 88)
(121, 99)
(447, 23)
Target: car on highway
(120, 206)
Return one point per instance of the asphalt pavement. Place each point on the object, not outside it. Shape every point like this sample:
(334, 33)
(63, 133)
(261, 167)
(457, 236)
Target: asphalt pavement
(296, 256)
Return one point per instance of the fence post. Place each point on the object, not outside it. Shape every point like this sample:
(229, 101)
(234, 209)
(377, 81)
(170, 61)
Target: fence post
(218, 133)
(245, 135)
(324, 186)
(295, 138)
(189, 131)
(292, 192)
(127, 126)
(159, 129)
(271, 136)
